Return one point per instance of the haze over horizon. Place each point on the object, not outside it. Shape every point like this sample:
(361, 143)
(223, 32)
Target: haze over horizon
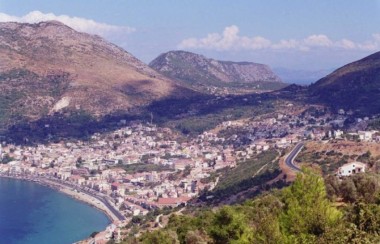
(297, 35)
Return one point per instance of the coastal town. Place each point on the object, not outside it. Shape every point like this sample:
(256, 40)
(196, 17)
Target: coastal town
(141, 167)
(129, 122)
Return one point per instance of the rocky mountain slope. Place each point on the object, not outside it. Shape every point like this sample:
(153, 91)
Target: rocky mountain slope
(196, 69)
(355, 86)
(49, 67)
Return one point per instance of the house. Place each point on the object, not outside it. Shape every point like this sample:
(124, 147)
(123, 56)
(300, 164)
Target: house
(351, 168)
(180, 164)
(338, 134)
(171, 201)
(77, 179)
(366, 135)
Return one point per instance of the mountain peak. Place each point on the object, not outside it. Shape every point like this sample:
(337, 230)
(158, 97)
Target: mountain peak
(52, 22)
(91, 74)
(196, 68)
(33, 26)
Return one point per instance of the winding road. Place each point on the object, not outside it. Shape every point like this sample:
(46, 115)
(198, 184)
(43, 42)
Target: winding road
(289, 160)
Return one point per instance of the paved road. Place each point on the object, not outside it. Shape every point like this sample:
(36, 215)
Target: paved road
(158, 221)
(110, 207)
(292, 155)
(103, 199)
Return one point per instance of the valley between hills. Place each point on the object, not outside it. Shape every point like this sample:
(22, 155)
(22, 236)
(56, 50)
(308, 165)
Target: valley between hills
(190, 149)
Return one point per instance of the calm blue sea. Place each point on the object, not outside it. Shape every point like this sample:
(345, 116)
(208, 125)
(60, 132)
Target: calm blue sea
(31, 213)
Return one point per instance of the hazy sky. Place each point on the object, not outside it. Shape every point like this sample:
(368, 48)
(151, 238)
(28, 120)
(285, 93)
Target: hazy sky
(297, 34)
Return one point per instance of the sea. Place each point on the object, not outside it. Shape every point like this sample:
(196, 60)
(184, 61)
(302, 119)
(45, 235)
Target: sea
(31, 213)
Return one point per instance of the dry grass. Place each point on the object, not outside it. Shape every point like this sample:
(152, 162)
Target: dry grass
(328, 157)
(345, 147)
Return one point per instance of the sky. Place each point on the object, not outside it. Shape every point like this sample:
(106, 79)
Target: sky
(293, 34)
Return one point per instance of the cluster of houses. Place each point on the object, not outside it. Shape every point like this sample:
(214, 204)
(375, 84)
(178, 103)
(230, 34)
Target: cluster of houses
(103, 164)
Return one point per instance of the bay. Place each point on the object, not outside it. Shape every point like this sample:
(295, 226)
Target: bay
(31, 213)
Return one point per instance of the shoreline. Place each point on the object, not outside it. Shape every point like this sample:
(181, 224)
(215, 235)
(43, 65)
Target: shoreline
(72, 193)
(79, 196)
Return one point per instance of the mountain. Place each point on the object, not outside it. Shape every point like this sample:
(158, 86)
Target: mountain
(197, 70)
(302, 77)
(355, 86)
(49, 67)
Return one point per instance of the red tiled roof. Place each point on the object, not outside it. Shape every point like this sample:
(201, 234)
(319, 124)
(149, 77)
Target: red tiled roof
(116, 184)
(169, 201)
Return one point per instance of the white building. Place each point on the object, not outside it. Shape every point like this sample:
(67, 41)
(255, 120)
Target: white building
(351, 168)
(338, 134)
(366, 135)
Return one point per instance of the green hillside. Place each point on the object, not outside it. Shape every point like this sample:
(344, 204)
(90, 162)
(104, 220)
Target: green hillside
(305, 212)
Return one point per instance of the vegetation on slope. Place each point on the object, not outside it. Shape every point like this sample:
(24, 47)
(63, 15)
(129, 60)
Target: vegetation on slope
(190, 115)
(246, 175)
(25, 95)
(355, 86)
(301, 213)
(199, 113)
(333, 155)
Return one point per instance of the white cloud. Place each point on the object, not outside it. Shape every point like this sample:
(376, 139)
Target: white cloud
(231, 40)
(286, 44)
(77, 23)
(318, 41)
(228, 40)
(371, 45)
(346, 44)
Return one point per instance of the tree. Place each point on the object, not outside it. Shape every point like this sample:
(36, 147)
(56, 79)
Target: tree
(300, 213)
(230, 226)
(263, 215)
(160, 237)
(348, 190)
(186, 171)
(367, 186)
(366, 217)
(307, 214)
(196, 237)
(332, 186)
(79, 162)
(182, 225)
(360, 187)
(6, 159)
(137, 219)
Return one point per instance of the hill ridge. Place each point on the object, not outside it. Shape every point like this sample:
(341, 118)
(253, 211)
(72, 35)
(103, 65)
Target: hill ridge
(64, 69)
(195, 68)
(354, 86)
